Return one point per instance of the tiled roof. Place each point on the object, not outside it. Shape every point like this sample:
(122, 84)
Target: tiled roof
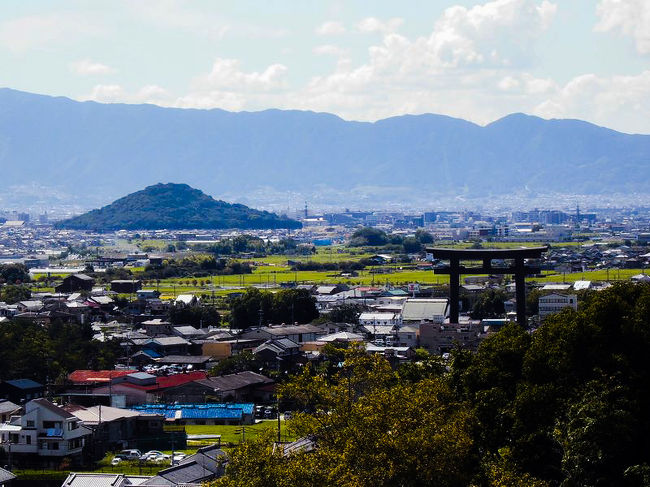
(171, 381)
(92, 376)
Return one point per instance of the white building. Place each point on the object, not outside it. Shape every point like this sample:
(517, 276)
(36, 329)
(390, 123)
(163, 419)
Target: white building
(416, 310)
(379, 319)
(45, 430)
(552, 303)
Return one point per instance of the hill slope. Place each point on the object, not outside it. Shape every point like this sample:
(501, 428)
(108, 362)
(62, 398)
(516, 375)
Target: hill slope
(69, 144)
(174, 206)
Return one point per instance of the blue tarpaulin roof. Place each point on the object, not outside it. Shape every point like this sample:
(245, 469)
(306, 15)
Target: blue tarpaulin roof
(198, 411)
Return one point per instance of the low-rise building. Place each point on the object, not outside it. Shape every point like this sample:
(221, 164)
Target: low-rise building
(552, 303)
(45, 432)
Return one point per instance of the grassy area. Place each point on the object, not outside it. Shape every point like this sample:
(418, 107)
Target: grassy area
(233, 434)
(599, 275)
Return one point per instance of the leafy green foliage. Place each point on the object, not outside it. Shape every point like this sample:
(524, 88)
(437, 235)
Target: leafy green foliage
(11, 294)
(196, 316)
(370, 428)
(237, 363)
(345, 313)
(34, 352)
(285, 306)
(489, 305)
(174, 206)
(368, 236)
(13, 274)
(564, 405)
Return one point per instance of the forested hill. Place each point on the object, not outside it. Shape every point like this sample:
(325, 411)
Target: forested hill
(174, 206)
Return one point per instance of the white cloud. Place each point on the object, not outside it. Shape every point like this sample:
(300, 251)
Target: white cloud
(373, 24)
(501, 32)
(107, 94)
(621, 102)
(330, 28)
(630, 17)
(226, 74)
(88, 67)
(114, 93)
(329, 50)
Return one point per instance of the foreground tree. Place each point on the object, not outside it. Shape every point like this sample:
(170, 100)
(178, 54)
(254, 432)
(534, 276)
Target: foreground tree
(370, 428)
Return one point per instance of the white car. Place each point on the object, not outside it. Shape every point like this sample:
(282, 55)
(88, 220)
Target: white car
(178, 457)
(154, 456)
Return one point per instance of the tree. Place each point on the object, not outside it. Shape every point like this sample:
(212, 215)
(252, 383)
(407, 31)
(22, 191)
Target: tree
(13, 274)
(346, 313)
(251, 308)
(11, 294)
(490, 304)
(196, 316)
(294, 306)
(423, 236)
(370, 429)
(285, 306)
(368, 236)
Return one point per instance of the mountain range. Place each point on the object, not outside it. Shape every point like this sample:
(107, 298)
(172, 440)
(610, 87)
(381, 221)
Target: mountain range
(95, 152)
(174, 206)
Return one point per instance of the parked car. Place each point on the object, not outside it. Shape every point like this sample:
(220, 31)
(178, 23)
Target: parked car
(154, 456)
(178, 457)
(116, 460)
(131, 454)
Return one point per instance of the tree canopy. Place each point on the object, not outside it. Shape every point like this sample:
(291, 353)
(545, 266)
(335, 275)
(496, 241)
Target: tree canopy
(285, 306)
(563, 405)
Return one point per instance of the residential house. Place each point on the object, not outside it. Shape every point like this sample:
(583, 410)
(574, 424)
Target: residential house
(85, 479)
(296, 333)
(126, 286)
(276, 351)
(46, 432)
(240, 387)
(117, 428)
(75, 283)
(20, 391)
(7, 410)
(187, 300)
(6, 477)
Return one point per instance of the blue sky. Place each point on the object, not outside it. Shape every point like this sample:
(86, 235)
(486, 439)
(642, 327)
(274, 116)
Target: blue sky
(587, 59)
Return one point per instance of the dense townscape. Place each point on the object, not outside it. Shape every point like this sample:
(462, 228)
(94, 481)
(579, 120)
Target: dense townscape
(120, 346)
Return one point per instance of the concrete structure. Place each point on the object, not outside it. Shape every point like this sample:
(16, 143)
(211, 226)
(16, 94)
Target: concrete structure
(552, 303)
(416, 310)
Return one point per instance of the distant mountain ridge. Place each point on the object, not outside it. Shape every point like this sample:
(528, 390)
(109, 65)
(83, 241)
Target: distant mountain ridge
(89, 148)
(174, 206)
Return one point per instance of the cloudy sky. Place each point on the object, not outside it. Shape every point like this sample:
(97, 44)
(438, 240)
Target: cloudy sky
(362, 60)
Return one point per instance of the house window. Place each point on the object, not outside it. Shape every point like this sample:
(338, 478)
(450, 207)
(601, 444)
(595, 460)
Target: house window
(73, 425)
(52, 424)
(54, 445)
(30, 423)
(28, 440)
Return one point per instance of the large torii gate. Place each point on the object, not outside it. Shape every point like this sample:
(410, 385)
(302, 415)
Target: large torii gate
(519, 269)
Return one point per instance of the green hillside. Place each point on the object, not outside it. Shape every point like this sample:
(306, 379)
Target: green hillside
(174, 206)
